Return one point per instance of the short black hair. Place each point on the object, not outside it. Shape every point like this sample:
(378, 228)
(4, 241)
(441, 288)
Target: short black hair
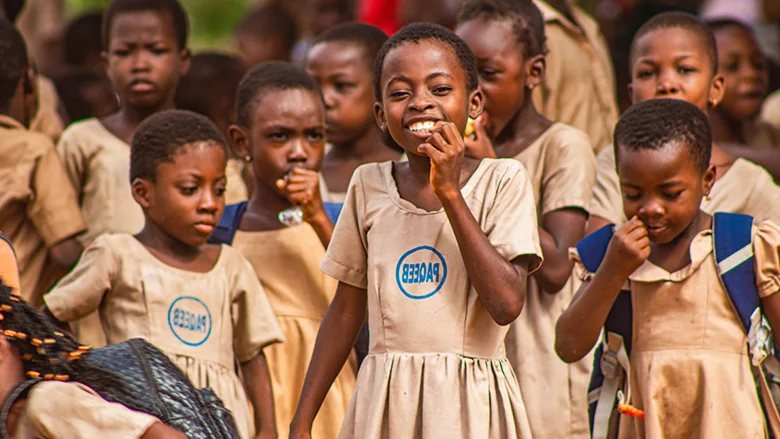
(716, 24)
(271, 20)
(655, 123)
(369, 37)
(681, 20)
(270, 76)
(161, 136)
(173, 8)
(13, 62)
(525, 16)
(212, 81)
(416, 32)
(12, 8)
(82, 38)
(70, 89)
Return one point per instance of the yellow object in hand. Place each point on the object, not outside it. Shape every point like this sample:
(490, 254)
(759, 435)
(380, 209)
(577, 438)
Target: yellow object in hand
(469, 128)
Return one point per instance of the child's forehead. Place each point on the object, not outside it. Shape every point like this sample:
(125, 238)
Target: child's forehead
(665, 41)
(288, 104)
(337, 53)
(491, 35)
(128, 24)
(661, 163)
(420, 59)
(733, 35)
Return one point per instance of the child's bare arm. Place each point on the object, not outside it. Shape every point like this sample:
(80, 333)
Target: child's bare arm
(561, 229)
(500, 284)
(579, 326)
(337, 334)
(66, 253)
(595, 222)
(257, 381)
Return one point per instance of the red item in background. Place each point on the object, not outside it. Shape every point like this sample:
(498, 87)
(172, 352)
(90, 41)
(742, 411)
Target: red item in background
(380, 13)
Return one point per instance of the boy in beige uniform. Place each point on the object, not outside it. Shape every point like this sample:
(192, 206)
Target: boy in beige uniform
(579, 85)
(38, 208)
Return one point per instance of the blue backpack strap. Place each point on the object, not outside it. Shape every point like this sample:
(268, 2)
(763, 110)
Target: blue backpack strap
(333, 210)
(228, 224)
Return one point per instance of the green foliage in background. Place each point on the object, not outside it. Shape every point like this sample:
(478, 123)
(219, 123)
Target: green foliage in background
(211, 21)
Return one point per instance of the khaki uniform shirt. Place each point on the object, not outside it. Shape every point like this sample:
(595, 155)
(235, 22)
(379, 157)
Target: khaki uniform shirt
(579, 84)
(55, 410)
(436, 365)
(98, 166)
(38, 207)
(47, 119)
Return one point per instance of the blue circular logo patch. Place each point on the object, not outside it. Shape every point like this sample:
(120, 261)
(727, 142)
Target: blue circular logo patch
(190, 320)
(421, 272)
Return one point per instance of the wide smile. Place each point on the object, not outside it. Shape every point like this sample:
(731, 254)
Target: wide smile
(422, 128)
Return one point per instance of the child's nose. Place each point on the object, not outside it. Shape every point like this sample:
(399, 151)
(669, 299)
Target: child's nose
(667, 86)
(652, 208)
(420, 102)
(298, 151)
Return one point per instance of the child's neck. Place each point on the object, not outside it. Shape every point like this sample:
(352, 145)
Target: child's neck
(124, 122)
(521, 131)
(363, 149)
(726, 129)
(262, 210)
(173, 252)
(675, 255)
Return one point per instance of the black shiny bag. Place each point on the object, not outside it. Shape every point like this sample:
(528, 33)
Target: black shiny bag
(139, 376)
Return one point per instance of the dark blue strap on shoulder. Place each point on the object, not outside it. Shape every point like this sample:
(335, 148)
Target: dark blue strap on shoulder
(228, 224)
(592, 250)
(333, 210)
(734, 256)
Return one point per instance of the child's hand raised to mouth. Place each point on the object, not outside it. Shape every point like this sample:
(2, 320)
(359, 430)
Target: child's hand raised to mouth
(302, 187)
(477, 141)
(446, 150)
(629, 248)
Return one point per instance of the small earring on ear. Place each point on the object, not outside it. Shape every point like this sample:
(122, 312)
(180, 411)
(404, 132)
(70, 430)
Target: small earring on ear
(248, 158)
(707, 196)
(714, 102)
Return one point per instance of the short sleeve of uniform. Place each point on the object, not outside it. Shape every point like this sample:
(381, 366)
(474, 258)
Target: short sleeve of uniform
(74, 411)
(73, 157)
(254, 321)
(607, 201)
(347, 257)
(54, 209)
(766, 247)
(763, 201)
(569, 174)
(80, 292)
(510, 224)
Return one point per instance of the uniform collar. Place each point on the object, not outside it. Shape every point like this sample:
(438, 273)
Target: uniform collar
(8, 122)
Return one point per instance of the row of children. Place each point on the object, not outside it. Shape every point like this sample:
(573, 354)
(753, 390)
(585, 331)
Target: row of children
(441, 251)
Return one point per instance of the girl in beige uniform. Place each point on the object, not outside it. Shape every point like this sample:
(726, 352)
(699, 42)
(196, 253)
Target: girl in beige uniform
(437, 250)
(279, 98)
(508, 41)
(146, 53)
(690, 369)
(659, 70)
(200, 304)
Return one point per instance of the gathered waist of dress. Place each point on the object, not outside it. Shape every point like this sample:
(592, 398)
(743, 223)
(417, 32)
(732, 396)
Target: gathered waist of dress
(424, 355)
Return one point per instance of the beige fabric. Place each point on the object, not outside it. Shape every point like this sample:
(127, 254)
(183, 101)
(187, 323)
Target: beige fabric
(745, 188)
(770, 112)
(433, 344)
(287, 264)
(98, 165)
(55, 410)
(690, 370)
(579, 84)
(236, 190)
(204, 322)
(561, 169)
(38, 208)
(763, 135)
(47, 119)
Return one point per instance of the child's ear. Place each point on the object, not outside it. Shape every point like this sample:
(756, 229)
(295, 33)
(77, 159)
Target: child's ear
(185, 55)
(716, 90)
(535, 70)
(709, 179)
(142, 192)
(379, 114)
(240, 141)
(631, 92)
(476, 103)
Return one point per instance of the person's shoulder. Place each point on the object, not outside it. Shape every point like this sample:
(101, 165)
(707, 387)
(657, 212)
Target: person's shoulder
(562, 135)
(503, 170)
(47, 398)
(83, 131)
(115, 243)
(371, 177)
(746, 171)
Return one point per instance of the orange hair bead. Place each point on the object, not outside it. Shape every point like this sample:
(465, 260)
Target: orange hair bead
(9, 333)
(61, 377)
(36, 342)
(33, 374)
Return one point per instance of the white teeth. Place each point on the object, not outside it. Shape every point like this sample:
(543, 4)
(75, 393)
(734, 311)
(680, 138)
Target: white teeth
(422, 126)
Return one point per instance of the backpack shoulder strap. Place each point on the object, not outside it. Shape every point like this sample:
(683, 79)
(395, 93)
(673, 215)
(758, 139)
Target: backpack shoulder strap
(733, 247)
(228, 224)
(18, 393)
(593, 247)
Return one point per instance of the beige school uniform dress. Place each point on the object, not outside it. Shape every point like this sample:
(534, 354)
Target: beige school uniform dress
(98, 164)
(561, 170)
(579, 82)
(235, 191)
(745, 188)
(770, 112)
(690, 369)
(55, 410)
(436, 366)
(204, 322)
(38, 208)
(287, 265)
(47, 119)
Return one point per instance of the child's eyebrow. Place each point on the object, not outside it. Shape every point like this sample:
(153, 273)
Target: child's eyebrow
(435, 75)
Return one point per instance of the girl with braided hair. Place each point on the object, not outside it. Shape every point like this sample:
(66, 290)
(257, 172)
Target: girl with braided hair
(32, 348)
